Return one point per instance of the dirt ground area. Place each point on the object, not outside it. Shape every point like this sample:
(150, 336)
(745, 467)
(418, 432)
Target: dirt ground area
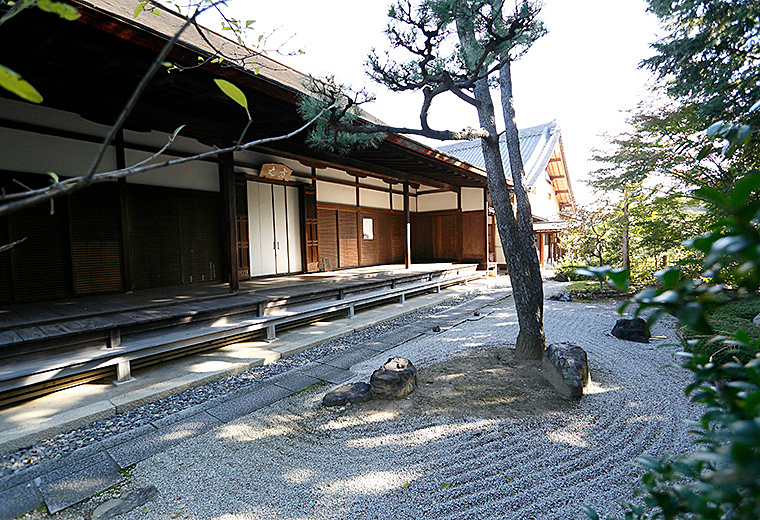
(487, 383)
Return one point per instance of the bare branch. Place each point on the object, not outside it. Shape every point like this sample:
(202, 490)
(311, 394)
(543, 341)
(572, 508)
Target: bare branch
(10, 246)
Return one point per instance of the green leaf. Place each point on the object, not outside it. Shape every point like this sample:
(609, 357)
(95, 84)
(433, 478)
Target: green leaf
(233, 93)
(755, 107)
(12, 81)
(405, 485)
(593, 515)
(65, 11)
(714, 128)
(139, 9)
(704, 151)
(54, 176)
(177, 131)
(446, 485)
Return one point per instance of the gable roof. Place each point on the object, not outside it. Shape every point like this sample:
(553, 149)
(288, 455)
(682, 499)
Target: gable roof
(539, 145)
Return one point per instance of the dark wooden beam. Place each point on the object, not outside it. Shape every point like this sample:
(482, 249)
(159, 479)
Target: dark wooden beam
(229, 238)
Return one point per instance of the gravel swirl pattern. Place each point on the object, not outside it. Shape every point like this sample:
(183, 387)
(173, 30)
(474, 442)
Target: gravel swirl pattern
(298, 460)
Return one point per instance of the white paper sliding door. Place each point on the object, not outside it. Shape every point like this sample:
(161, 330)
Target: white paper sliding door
(275, 229)
(294, 230)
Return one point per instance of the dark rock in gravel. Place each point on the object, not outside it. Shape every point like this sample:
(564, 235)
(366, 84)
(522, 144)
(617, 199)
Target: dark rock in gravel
(634, 329)
(756, 320)
(562, 296)
(395, 379)
(565, 366)
(119, 506)
(559, 277)
(348, 393)
(437, 328)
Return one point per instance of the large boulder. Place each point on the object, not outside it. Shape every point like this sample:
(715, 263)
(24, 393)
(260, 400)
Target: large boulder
(348, 393)
(565, 366)
(635, 329)
(562, 296)
(756, 320)
(395, 379)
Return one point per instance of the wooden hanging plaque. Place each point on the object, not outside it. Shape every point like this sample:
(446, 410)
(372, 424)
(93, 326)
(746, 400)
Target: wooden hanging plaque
(275, 171)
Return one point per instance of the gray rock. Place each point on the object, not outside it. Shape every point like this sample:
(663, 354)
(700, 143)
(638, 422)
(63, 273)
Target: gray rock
(559, 277)
(565, 366)
(635, 329)
(562, 296)
(119, 506)
(395, 379)
(756, 320)
(437, 328)
(349, 393)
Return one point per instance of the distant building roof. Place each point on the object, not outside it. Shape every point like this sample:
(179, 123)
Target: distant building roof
(537, 144)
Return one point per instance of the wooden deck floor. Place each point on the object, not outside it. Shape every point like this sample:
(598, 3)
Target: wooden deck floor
(58, 314)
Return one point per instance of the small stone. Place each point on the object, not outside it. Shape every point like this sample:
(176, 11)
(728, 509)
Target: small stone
(348, 393)
(119, 506)
(437, 328)
(562, 296)
(476, 313)
(565, 366)
(397, 378)
(560, 277)
(634, 329)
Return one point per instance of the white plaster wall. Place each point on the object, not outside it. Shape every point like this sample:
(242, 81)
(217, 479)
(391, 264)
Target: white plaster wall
(541, 204)
(398, 201)
(158, 139)
(371, 181)
(36, 153)
(44, 116)
(439, 201)
(329, 192)
(413, 204)
(195, 175)
(374, 199)
(336, 174)
(472, 199)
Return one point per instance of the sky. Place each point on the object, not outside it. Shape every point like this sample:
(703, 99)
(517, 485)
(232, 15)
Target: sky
(584, 73)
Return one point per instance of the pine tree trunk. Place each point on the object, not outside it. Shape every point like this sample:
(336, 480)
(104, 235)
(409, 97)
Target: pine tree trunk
(626, 224)
(516, 232)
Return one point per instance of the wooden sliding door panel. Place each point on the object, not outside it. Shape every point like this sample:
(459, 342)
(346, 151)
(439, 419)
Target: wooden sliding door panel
(473, 236)
(327, 225)
(348, 246)
(95, 218)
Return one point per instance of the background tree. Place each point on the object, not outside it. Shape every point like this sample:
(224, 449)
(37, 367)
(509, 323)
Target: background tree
(462, 47)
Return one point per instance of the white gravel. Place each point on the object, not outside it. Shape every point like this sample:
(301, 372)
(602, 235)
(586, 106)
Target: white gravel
(297, 460)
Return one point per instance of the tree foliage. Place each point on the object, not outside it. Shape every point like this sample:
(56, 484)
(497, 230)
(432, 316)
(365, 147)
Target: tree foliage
(465, 48)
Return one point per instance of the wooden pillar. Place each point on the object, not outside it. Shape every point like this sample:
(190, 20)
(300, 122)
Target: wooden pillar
(407, 229)
(229, 238)
(485, 214)
(126, 229)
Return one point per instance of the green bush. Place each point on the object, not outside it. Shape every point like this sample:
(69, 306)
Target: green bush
(722, 480)
(728, 319)
(570, 271)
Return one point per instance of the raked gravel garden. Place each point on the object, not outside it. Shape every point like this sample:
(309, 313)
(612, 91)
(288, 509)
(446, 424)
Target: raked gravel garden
(482, 437)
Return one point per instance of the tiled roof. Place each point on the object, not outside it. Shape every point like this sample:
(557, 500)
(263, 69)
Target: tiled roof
(536, 146)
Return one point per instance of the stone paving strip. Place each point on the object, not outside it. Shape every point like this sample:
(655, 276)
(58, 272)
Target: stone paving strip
(62, 482)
